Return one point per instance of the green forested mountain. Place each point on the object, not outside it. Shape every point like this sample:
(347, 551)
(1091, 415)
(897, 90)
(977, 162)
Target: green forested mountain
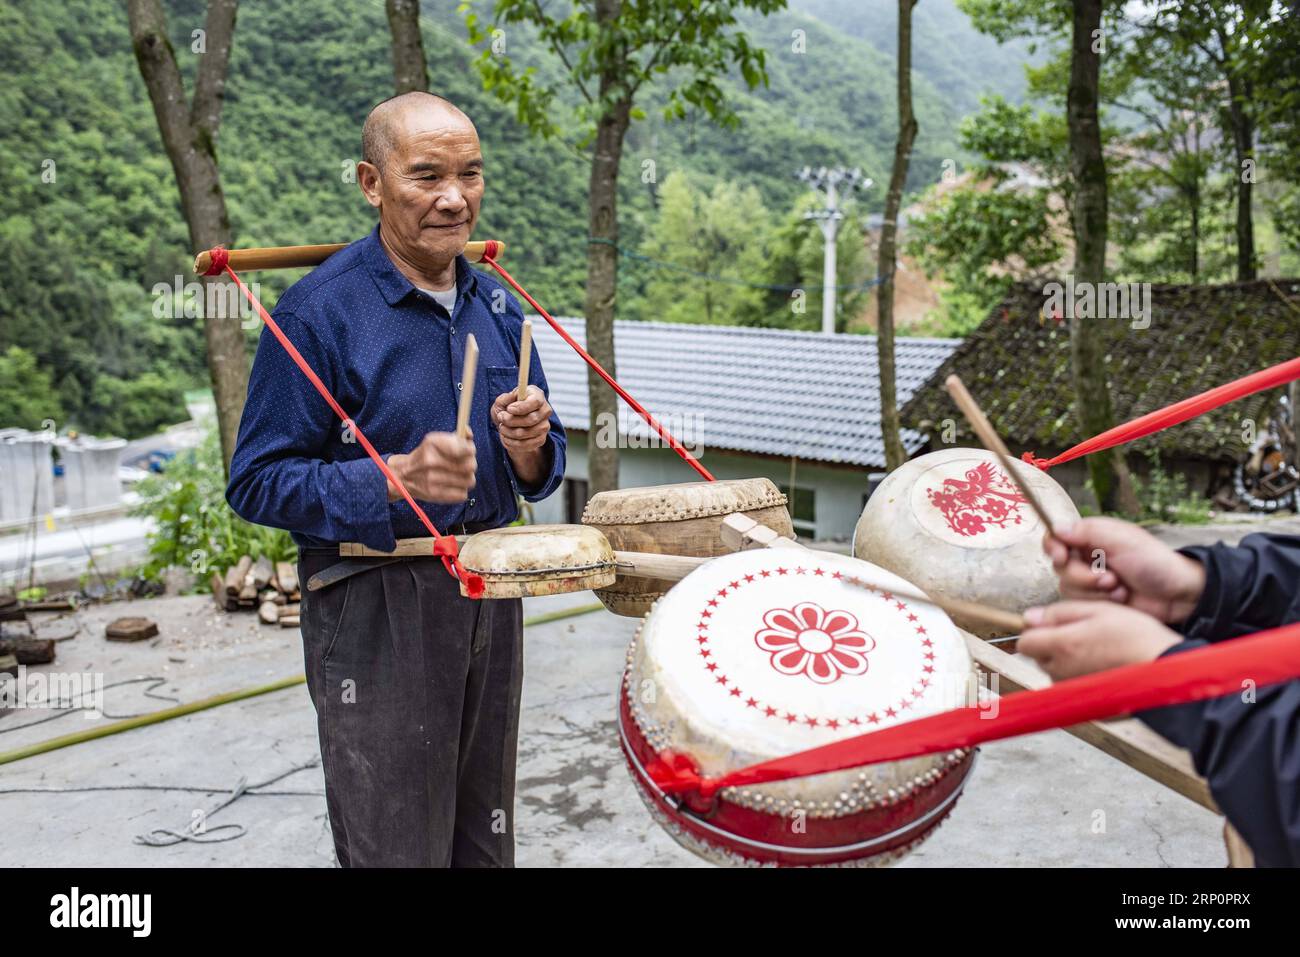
(90, 221)
(958, 61)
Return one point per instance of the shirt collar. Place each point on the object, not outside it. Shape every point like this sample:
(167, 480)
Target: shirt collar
(394, 286)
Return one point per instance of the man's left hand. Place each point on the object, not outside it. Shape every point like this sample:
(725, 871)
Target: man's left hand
(1072, 638)
(523, 424)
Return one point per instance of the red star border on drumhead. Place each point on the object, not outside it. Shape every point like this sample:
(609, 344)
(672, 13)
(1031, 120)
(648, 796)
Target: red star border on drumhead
(954, 523)
(763, 653)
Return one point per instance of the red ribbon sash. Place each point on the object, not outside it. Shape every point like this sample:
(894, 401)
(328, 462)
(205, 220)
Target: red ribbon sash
(1226, 667)
(1177, 413)
(444, 546)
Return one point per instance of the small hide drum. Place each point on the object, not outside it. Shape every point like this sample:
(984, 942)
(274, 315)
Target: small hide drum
(534, 560)
(955, 524)
(683, 519)
(760, 654)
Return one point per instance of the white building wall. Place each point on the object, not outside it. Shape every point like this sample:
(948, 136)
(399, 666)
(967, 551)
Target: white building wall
(839, 491)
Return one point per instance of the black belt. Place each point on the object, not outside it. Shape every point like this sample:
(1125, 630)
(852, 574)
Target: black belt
(353, 566)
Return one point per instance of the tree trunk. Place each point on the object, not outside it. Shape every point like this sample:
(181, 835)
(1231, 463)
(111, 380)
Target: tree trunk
(410, 69)
(895, 455)
(1093, 410)
(602, 291)
(1194, 200)
(1243, 143)
(602, 267)
(189, 135)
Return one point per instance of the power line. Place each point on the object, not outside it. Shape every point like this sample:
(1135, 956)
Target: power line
(711, 277)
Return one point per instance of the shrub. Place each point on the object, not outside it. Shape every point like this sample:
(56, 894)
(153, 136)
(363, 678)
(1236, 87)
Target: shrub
(1164, 497)
(194, 527)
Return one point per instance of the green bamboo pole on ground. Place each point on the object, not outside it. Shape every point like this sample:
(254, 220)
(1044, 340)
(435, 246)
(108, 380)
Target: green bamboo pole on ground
(166, 714)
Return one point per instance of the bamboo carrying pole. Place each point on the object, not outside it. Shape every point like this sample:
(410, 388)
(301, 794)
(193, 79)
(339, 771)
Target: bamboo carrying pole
(290, 257)
(525, 359)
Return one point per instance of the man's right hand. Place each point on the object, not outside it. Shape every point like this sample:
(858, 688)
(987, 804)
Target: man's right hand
(1105, 558)
(440, 469)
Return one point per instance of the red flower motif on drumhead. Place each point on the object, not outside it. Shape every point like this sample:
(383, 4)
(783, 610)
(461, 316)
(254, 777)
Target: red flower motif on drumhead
(809, 640)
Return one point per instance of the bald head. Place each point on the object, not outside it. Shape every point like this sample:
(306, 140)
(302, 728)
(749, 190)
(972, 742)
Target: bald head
(423, 171)
(390, 118)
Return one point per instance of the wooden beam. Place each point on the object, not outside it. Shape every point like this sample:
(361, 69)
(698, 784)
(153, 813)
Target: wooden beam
(1127, 739)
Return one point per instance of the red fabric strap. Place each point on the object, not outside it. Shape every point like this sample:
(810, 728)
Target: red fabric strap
(664, 434)
(1226, 667)
(1170, 415)
(444, 546)
(220, 258)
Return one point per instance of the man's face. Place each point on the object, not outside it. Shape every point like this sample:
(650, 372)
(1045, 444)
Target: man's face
(429, 190)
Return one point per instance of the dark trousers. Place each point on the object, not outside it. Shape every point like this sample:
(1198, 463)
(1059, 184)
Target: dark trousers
(416, 692)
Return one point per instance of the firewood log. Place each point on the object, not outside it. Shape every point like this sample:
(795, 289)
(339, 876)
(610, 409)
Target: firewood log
(286, 574)
(262, 572)
(235, 575)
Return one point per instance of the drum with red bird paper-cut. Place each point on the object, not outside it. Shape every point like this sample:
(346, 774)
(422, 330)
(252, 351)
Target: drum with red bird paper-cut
(761, 654)
(955, 524)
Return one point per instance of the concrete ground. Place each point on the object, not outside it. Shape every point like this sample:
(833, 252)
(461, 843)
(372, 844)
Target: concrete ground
(1047, 800)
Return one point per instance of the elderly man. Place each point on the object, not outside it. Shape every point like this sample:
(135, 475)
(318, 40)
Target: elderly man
(1151, 601)
(416, 689)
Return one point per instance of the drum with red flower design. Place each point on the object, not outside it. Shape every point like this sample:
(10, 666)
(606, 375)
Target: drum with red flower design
(954, 523)
(764, 653)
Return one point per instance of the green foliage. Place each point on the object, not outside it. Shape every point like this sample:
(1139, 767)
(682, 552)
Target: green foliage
(961, 63)
(981, 238)
(609, 61)
(90, 219)
(756, 274)
(139, 406)
(27, 394)
(1164, 496)
(194, 527)
(1006, 133)
(794, 261)
(730, 223)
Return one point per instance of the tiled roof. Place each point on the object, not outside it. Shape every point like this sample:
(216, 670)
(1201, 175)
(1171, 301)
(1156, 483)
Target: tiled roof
(767, 391)
(1017, 365)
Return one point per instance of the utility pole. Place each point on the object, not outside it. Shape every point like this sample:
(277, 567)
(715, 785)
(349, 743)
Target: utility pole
(831, 182)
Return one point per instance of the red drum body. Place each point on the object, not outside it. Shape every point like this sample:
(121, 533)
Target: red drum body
(764, 653)
(955, 524)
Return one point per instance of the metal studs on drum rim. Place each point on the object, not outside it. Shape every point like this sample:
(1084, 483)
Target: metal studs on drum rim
(955, 524)
(764, 653)
(682, 519)
(537, 560)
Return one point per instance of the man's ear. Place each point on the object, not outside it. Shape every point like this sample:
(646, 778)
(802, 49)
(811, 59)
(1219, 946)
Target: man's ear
(368, 180)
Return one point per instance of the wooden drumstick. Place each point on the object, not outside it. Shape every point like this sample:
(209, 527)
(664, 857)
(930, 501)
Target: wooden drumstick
(525, 357)
(989, 437)
(954, 607)
(740, 532)
(467, 387)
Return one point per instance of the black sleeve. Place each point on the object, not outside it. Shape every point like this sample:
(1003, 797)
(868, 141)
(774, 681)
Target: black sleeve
(1248, 588)
(1249, 752)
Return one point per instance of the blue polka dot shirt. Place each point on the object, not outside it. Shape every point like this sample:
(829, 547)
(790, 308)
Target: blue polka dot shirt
(392, 358)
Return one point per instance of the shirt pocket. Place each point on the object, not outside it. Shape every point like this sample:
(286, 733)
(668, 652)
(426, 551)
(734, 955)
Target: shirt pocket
(500, 379)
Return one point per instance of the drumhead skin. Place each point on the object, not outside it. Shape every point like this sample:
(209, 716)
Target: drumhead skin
(760, 654)
(681, 519)
(956, 525)
(535, 560)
